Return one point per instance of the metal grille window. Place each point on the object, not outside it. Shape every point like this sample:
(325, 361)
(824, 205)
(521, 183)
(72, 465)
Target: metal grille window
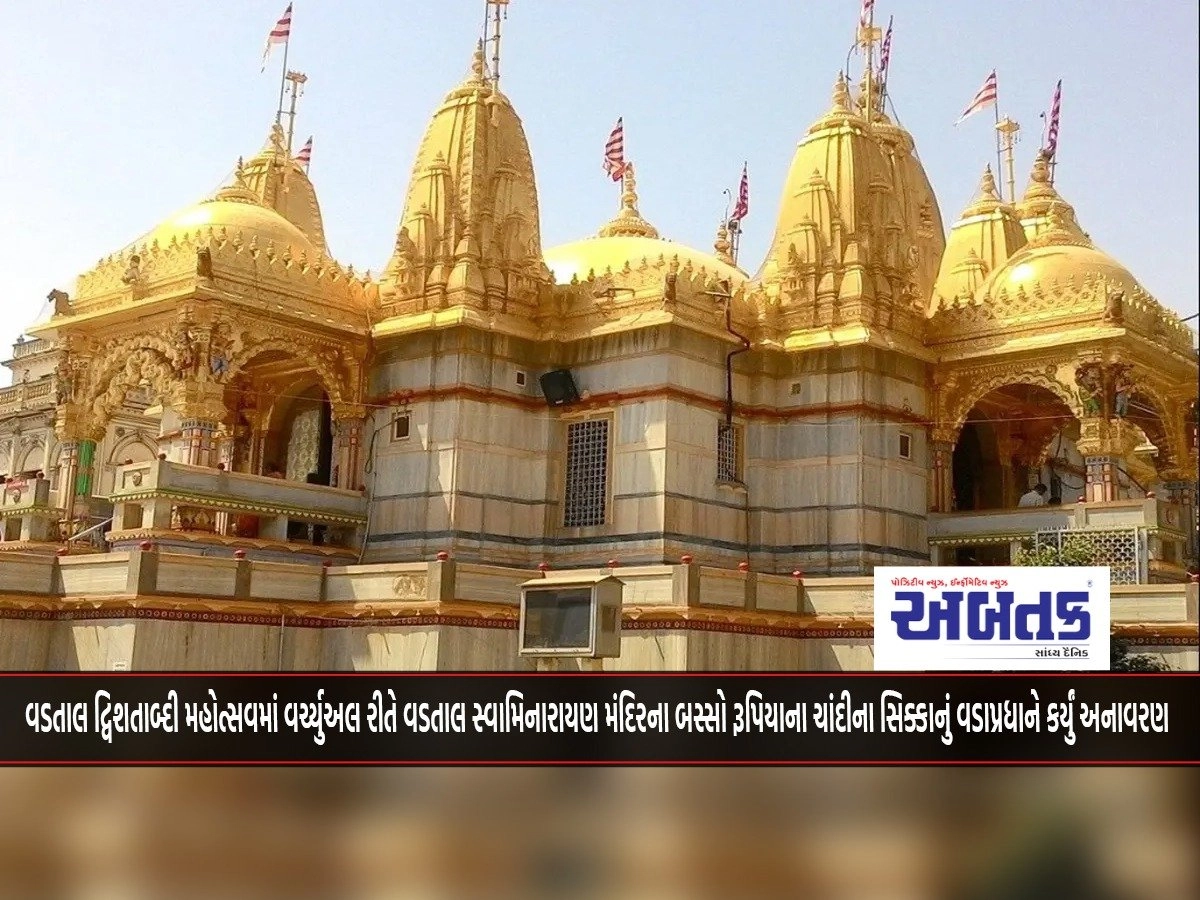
(728, 457)
(587, 474)
(1123, 550)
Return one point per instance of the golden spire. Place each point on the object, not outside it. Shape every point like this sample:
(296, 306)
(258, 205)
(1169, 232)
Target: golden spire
(1039, 178)
(987, 198)
(1058, 228)
(841, 108)
(629, 222)
(478, 66)
(722, 246)
(239, 191)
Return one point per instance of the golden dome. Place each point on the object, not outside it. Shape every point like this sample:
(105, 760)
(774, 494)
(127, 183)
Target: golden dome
(236, 210)
(280, 183)
(629, 240)
(599, 255)
(1058, 257)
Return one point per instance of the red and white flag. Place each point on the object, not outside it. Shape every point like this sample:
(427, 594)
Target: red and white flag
(741, 209)
(986, 97)
(864, 15)
(1055, 112)
(885, 55)
(304, 157)
(614, 152)
(279, 34)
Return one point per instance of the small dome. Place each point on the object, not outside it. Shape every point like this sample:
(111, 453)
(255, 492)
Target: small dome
(599, 254)
(250, 219)
(1057, 256)
(236, 209)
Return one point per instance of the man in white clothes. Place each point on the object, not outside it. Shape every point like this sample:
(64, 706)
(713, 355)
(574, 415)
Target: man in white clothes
(1036, 496)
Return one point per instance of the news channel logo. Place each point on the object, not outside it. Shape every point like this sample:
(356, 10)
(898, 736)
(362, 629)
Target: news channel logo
(991, 618)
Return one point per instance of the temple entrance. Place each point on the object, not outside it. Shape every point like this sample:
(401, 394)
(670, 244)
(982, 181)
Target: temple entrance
(1012, 438)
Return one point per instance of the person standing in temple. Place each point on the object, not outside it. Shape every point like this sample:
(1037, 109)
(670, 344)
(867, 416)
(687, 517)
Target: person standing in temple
(1035, 496)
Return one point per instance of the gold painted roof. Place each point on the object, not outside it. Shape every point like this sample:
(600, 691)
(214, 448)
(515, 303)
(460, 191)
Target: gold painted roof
(599, 255)
(236, 209)
(856, 189)
(986, 235)
(1057, 258)
(279, 182)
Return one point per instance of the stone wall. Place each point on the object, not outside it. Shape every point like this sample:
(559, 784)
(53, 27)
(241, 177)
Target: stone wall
(823, 483)
(149, 610)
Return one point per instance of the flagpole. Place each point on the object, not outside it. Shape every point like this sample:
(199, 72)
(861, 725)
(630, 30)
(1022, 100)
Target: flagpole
(999, 153)
(297, 79)
(869, 37)
(283, 79)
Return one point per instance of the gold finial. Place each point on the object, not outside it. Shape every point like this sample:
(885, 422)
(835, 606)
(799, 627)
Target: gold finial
(987, 199)
(1041, 168)
(722, 246)
(629, 222)
(841, 95)
(629, 197)
(478, 64)
(1056, 218)
(239, 191)
(987, 185)
(277, 138)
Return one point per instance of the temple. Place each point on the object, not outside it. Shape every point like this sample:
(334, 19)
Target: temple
(227, 449)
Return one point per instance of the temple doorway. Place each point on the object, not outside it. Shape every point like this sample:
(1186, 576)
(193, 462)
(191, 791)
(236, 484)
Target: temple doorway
(1008, 436)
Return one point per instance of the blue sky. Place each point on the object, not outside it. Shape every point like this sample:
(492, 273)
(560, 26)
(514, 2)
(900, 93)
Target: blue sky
(114, 115)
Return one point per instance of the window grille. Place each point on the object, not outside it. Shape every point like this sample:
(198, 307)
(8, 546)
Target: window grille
(1123, 550)
(905, 445)
(586, 501)
(728, 458)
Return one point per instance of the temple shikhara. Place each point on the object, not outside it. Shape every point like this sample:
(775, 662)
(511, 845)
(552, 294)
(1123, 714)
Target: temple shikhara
(228, 449)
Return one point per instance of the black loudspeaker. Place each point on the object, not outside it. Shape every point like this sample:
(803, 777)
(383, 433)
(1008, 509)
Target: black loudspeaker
(558, 387)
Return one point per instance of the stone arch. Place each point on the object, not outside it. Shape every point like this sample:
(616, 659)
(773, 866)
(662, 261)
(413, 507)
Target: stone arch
(322, 366)
(30, 452)
(121, 372)
(1152, 414)
(127, 444)
(961, 405)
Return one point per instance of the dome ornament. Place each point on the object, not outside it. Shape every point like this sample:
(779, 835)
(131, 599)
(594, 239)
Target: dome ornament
(629, 222)
(239, 191)
(722, 245)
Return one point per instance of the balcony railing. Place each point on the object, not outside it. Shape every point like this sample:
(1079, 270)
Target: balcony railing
(160, 498)
(27, 394)
(30, 348)
(1154, 531)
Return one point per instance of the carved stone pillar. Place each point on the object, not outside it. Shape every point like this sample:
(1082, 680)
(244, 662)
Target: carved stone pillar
(201, 409)
(1102, 479)
(348, 460)
(199, 442)
(942, 475)
(1105, 445)
(68, 468)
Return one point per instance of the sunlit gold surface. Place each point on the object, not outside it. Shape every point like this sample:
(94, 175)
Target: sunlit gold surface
(249, 219)
(602, 254)
(280, 183)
